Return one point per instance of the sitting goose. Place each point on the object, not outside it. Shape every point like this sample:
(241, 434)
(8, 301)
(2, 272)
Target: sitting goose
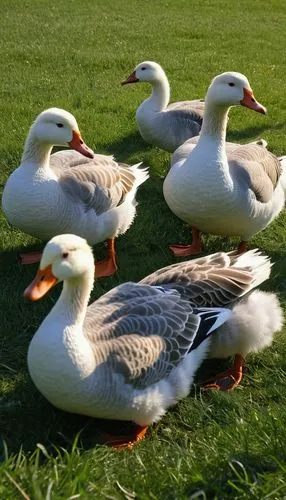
(48, 195)
(236, 191)
(133, 353)
(161, 124)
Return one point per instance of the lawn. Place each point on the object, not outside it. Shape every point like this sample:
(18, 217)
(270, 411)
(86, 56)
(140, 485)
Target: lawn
(73, 54)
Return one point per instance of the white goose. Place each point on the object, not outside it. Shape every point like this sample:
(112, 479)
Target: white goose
(134, 352)
(235, 192)
(160, 123)
(48, 195)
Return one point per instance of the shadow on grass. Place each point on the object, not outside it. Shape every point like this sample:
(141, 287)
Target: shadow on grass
(251, 133)
(24, 425)
(127, 146)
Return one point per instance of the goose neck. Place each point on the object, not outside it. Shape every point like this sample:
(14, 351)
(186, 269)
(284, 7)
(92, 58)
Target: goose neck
(36, 152)
(215, 123)
(74, 298)
(160, 96)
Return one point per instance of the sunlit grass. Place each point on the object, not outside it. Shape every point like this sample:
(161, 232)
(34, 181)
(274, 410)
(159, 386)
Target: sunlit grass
(73, 55)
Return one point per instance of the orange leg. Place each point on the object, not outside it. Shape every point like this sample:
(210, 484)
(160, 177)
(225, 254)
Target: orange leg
(30, 257)
(125, 440)
(107, 266)
(229, 379)
(193, 249)
(242, 247)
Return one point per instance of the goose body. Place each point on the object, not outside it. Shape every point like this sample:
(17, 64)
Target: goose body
(234, 191)
(134, 352)
(160, 123)
(66, 192)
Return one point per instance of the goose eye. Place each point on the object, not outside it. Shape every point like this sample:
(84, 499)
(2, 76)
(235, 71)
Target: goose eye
(65, 255)
(231, 84)
(60, 125)
(143, 69)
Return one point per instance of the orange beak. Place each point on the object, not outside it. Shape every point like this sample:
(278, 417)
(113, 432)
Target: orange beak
(78, 144)
(42, 283)
(250, 102)
(131, 79)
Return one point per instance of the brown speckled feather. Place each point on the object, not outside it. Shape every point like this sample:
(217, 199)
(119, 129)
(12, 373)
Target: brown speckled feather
(209, 281)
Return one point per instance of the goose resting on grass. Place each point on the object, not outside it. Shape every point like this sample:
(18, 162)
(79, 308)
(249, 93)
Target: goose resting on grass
(160, 123)
(66, 192)
(236, 193)
(133, 353)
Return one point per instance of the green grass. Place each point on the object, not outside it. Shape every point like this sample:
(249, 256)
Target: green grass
(74, 54)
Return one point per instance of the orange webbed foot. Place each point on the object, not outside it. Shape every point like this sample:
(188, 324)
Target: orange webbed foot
(185, 250)
(124, 440)
(107, 266)
(195, 248)
(227, 380)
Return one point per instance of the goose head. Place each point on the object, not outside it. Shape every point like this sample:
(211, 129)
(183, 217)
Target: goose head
(232, 89)
(147, 71)
(65, 257)
(58, 127)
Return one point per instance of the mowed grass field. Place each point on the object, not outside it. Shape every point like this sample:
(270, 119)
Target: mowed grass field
(73, 54)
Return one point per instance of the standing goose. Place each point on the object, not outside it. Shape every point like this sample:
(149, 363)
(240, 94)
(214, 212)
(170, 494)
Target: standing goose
(236, 192)
(132, 353)
(48, 195)
(160, 123)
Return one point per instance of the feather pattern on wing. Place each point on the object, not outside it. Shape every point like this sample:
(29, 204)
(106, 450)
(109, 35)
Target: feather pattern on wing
(99, 183)
(140, 331)
(211, 281)
(196, 106)
(256, 166)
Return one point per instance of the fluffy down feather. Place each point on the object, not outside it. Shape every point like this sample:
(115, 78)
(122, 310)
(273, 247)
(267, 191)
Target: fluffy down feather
(251, 328)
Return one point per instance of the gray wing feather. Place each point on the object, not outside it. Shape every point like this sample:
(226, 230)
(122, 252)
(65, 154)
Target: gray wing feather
(207, 282)
(257, 167)
(185, 123)
(142, 332)
(68, 158)
(197, 106)
(98, 184)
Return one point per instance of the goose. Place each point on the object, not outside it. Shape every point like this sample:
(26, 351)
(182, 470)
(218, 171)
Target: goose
(236, 191)
(47, 195)
(160, 123)
(133, 353)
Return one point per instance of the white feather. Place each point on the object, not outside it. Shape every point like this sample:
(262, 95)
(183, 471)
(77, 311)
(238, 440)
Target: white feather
(259, 265)
(251, 327)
